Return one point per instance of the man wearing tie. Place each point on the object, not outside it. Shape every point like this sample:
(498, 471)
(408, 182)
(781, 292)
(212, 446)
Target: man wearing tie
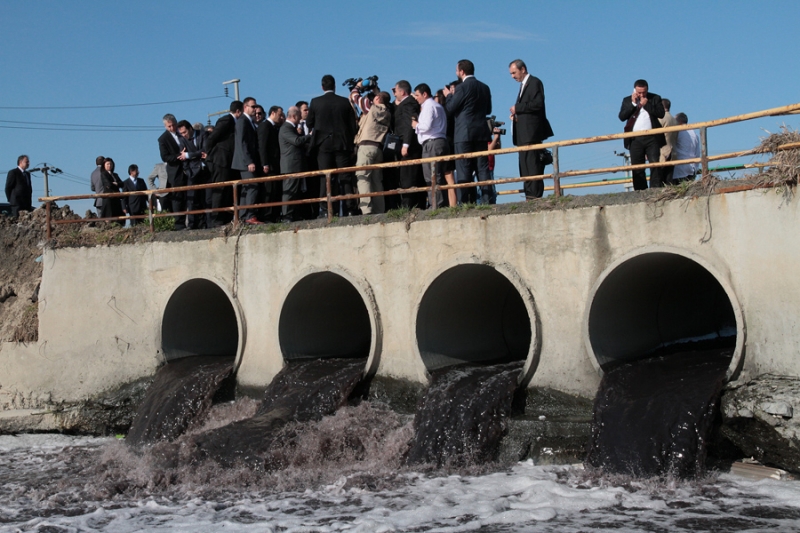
(18, 187)
(246, 159)
(529, 126)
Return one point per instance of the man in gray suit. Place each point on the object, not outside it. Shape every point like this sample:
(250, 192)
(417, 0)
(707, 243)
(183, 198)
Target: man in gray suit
(470, 105)
(246, 159)
(293, 145)
(97, 182)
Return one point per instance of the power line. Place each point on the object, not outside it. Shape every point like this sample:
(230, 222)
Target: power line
(47, 128)
(76, 125)
(112, 106)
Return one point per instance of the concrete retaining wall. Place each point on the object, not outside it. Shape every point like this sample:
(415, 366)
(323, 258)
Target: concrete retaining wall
(101, 309)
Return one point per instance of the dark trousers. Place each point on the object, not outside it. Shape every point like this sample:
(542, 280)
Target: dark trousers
(251, 192)
(196, 200)
(466, 168)
(412, 176)
(641, 147)
(273, 192)
(291, 192)
(178, 204)
(530, 165)
(15, 209)
(220, 196)
(391, 181)
(340, 183)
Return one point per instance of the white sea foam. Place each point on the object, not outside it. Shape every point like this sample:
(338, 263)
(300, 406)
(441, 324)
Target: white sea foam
(41, 489)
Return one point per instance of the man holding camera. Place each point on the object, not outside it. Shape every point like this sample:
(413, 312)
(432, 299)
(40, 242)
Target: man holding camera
(641, 110)
(529, 126)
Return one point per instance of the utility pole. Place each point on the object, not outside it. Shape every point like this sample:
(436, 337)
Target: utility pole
(225, 84)
(44, 169)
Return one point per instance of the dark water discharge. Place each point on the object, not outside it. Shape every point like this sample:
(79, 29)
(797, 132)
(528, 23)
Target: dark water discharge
(182, 393)
(654, 416)
(301, 392)
(464, 414)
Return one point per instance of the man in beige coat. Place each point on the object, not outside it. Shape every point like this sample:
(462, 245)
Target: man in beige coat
(666, 150)
(369, 139)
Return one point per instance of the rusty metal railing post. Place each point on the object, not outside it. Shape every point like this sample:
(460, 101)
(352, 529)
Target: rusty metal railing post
(556, 177)
(47, 220)
(150, 208)
(434, 177)
(704, 151)
(235, 204)
(328, 192)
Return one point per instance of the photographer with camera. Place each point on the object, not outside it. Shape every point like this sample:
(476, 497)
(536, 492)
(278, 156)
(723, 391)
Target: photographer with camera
(529, 126)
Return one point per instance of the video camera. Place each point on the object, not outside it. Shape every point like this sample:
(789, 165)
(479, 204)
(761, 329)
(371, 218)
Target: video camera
(495, 125)
(352, 82)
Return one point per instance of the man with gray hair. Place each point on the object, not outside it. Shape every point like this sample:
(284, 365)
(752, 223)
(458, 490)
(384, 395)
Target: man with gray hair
(529, 125)
(687, 146)
(292, 143)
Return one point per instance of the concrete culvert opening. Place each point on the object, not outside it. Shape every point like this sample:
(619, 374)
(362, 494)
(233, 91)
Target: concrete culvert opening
(656, 304)
(199, 320)
(472, 314)
(324, 315)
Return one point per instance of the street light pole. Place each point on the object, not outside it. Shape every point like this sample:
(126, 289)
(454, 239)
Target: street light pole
(235, 83)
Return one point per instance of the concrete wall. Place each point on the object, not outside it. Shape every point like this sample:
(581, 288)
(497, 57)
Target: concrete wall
(101, 308)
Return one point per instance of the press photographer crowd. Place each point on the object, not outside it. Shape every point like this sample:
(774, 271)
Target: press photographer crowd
(368, 127)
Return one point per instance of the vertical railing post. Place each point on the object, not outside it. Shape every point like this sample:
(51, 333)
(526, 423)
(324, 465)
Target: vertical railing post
(556, 178)
(328, 195)
(704, 151)
(150, 208)
(434, 177)
(47, 220)
(235, 204)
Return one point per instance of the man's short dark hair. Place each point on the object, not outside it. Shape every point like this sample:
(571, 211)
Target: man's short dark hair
(301, 103)
(423, 88)
(641, 83)
(99, 160)
(185, 124)
(682, 118)
(328, 83)
(20, 158)
(455, 83)
(667, 103)
(467, 67)
(259, 107)
(273, 109)
(248, 99)
(385, 97)
(131, 168)
(404, 86)
(520, 64)
(236, 105)
(169, 117)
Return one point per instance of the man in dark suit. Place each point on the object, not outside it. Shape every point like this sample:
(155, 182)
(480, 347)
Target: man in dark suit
(97, 182)
(136, 204)
(529, 125)
(193, 155)
(292, 145)
(470, 105)
(247, 160)
(333, 122)
(270, 153)
(406, 109)
(18, 187)
(169, 146)
(641, 110)
(219, 159)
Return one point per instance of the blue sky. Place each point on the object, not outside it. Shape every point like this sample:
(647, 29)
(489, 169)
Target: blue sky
(712, 59)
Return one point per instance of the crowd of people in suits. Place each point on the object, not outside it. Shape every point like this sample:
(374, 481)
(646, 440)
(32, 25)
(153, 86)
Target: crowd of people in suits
(334, 132)
(366, 128)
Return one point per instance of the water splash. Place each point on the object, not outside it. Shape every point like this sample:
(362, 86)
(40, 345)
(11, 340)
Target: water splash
(464, 414)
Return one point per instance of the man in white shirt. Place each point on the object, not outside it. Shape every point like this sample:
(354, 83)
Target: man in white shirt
(687, 146)
(641, 110)
(431, 130)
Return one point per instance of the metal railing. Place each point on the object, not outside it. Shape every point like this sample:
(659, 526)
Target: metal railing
(556, 175)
